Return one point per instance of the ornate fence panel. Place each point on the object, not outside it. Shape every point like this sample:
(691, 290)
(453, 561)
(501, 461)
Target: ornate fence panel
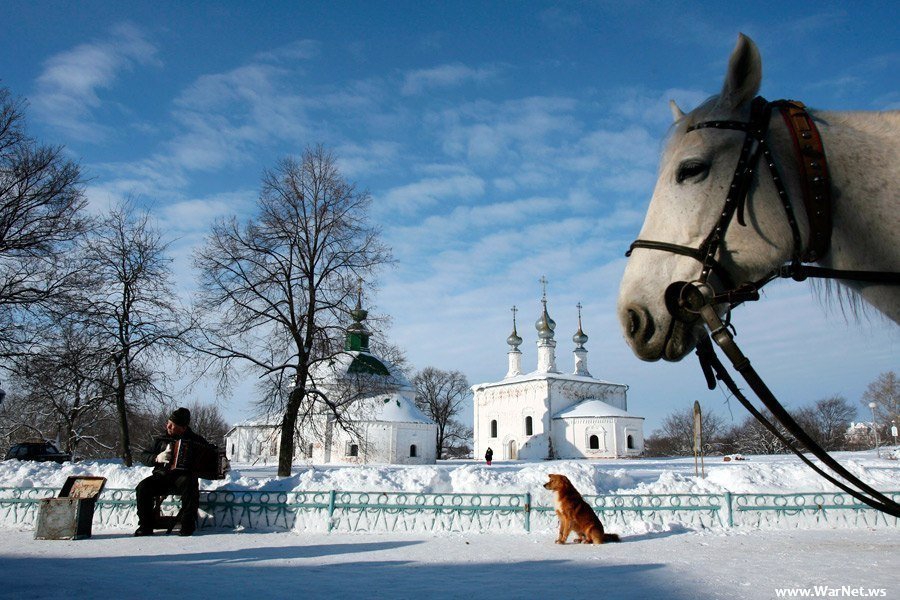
(346, 511)
(809, 510)
(401, 511)
(19, 506)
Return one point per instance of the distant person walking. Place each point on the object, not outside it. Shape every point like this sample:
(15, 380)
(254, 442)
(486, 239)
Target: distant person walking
(489, 455)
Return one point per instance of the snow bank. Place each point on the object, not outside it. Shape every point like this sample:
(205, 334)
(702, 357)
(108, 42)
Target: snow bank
(756, 474)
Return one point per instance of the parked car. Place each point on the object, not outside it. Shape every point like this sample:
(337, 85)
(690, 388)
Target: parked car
(41, 451)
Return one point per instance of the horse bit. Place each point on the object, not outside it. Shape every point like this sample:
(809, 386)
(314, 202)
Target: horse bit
(688, 301)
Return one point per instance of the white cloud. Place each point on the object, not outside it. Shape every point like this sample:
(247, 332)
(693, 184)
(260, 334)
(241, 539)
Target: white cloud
(428, 192)
(198, 214)
(505, 132)
(444, 76)
(358, 159)
(68, 89)
(294, 51)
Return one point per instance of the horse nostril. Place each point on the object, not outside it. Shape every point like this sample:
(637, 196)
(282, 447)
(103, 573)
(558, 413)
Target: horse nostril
(634, 323)
(640, 325)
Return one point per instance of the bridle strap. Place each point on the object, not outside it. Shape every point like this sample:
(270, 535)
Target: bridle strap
(756, 129)
(816, 186)
(717, 268)
(700, 299)
(815, 179)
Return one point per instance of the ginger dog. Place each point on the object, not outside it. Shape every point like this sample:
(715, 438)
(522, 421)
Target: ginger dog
(575, 514)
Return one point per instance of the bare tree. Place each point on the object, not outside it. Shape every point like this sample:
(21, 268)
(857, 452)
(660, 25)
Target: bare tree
(676, 436)
(440, 395)
(827, 420)
(752, 437)
(885, 393)
(276, 289)
(131, 308)
(64, 387)
(41, 217)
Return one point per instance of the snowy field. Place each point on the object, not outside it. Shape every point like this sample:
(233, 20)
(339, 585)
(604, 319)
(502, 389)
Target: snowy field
(762, 474)
(673, 563)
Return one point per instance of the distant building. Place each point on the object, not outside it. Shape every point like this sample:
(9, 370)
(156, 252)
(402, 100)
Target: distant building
(387, 427)
(860, 435)
(546, 414)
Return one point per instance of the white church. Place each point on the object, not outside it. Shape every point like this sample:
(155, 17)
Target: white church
(548, 414)
(386, 426)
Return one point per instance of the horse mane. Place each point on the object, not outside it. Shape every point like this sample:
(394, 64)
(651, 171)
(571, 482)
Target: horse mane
(835, 297)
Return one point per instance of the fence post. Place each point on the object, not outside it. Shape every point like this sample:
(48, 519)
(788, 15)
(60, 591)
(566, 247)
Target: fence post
(729, 509)
(528, 512)
(331, 496)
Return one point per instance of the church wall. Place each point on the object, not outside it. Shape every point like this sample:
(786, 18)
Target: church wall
(260, 444)
(249, 443)
(386, 443)
(634, 428)
(382, 442)
(423, 436)
(373, 445)
(509, 405)
(572, 437)
(567, 392)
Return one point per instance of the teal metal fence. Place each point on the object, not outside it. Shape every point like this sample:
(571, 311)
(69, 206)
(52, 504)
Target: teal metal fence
(350, 512)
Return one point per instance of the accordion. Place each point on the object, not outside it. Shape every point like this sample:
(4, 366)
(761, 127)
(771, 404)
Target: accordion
(206, 461)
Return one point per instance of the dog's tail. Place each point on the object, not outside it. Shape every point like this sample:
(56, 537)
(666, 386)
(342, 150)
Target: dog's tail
(611, 537)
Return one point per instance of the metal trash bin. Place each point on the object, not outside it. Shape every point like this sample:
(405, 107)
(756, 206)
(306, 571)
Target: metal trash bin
(69, 516)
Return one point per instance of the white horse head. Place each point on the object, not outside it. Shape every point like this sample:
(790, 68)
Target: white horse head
(696, 170)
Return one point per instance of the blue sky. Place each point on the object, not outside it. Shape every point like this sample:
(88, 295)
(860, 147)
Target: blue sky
(500, 141)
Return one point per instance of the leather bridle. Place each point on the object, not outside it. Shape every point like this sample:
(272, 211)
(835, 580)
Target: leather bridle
(689, 301)
(815, 184)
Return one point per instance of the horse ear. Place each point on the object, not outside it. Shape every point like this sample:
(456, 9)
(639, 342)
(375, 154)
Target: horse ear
(744, 74)
(677, 113)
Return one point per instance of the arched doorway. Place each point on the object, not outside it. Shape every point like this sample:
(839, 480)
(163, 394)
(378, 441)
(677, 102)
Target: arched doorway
(513, 452)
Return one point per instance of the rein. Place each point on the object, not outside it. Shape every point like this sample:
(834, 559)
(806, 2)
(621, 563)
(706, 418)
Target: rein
(688, 301)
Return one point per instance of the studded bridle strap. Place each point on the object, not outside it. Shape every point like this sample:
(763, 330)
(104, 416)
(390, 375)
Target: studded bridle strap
(755, 129)
(816, 187)
(815, 181)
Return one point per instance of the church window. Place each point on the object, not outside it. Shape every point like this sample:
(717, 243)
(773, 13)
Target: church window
(352, 450)
(273, 450)
(594, 442)
(494, 428)
(309, 450)
(412, 451)
(529, 429)
(630, 442)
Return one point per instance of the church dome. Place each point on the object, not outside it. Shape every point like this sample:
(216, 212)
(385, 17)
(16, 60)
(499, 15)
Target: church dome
(593, 408)
(514, 340)
(545, 325)
(580, 338)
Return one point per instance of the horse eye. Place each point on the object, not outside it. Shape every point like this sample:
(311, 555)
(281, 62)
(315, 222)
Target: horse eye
(694, 170)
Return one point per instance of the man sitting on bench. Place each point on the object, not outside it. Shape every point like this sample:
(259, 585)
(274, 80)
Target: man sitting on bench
(172, 474)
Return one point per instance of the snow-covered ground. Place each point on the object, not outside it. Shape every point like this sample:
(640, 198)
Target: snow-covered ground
(491, 566)
(762, 474)
(677, 563)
